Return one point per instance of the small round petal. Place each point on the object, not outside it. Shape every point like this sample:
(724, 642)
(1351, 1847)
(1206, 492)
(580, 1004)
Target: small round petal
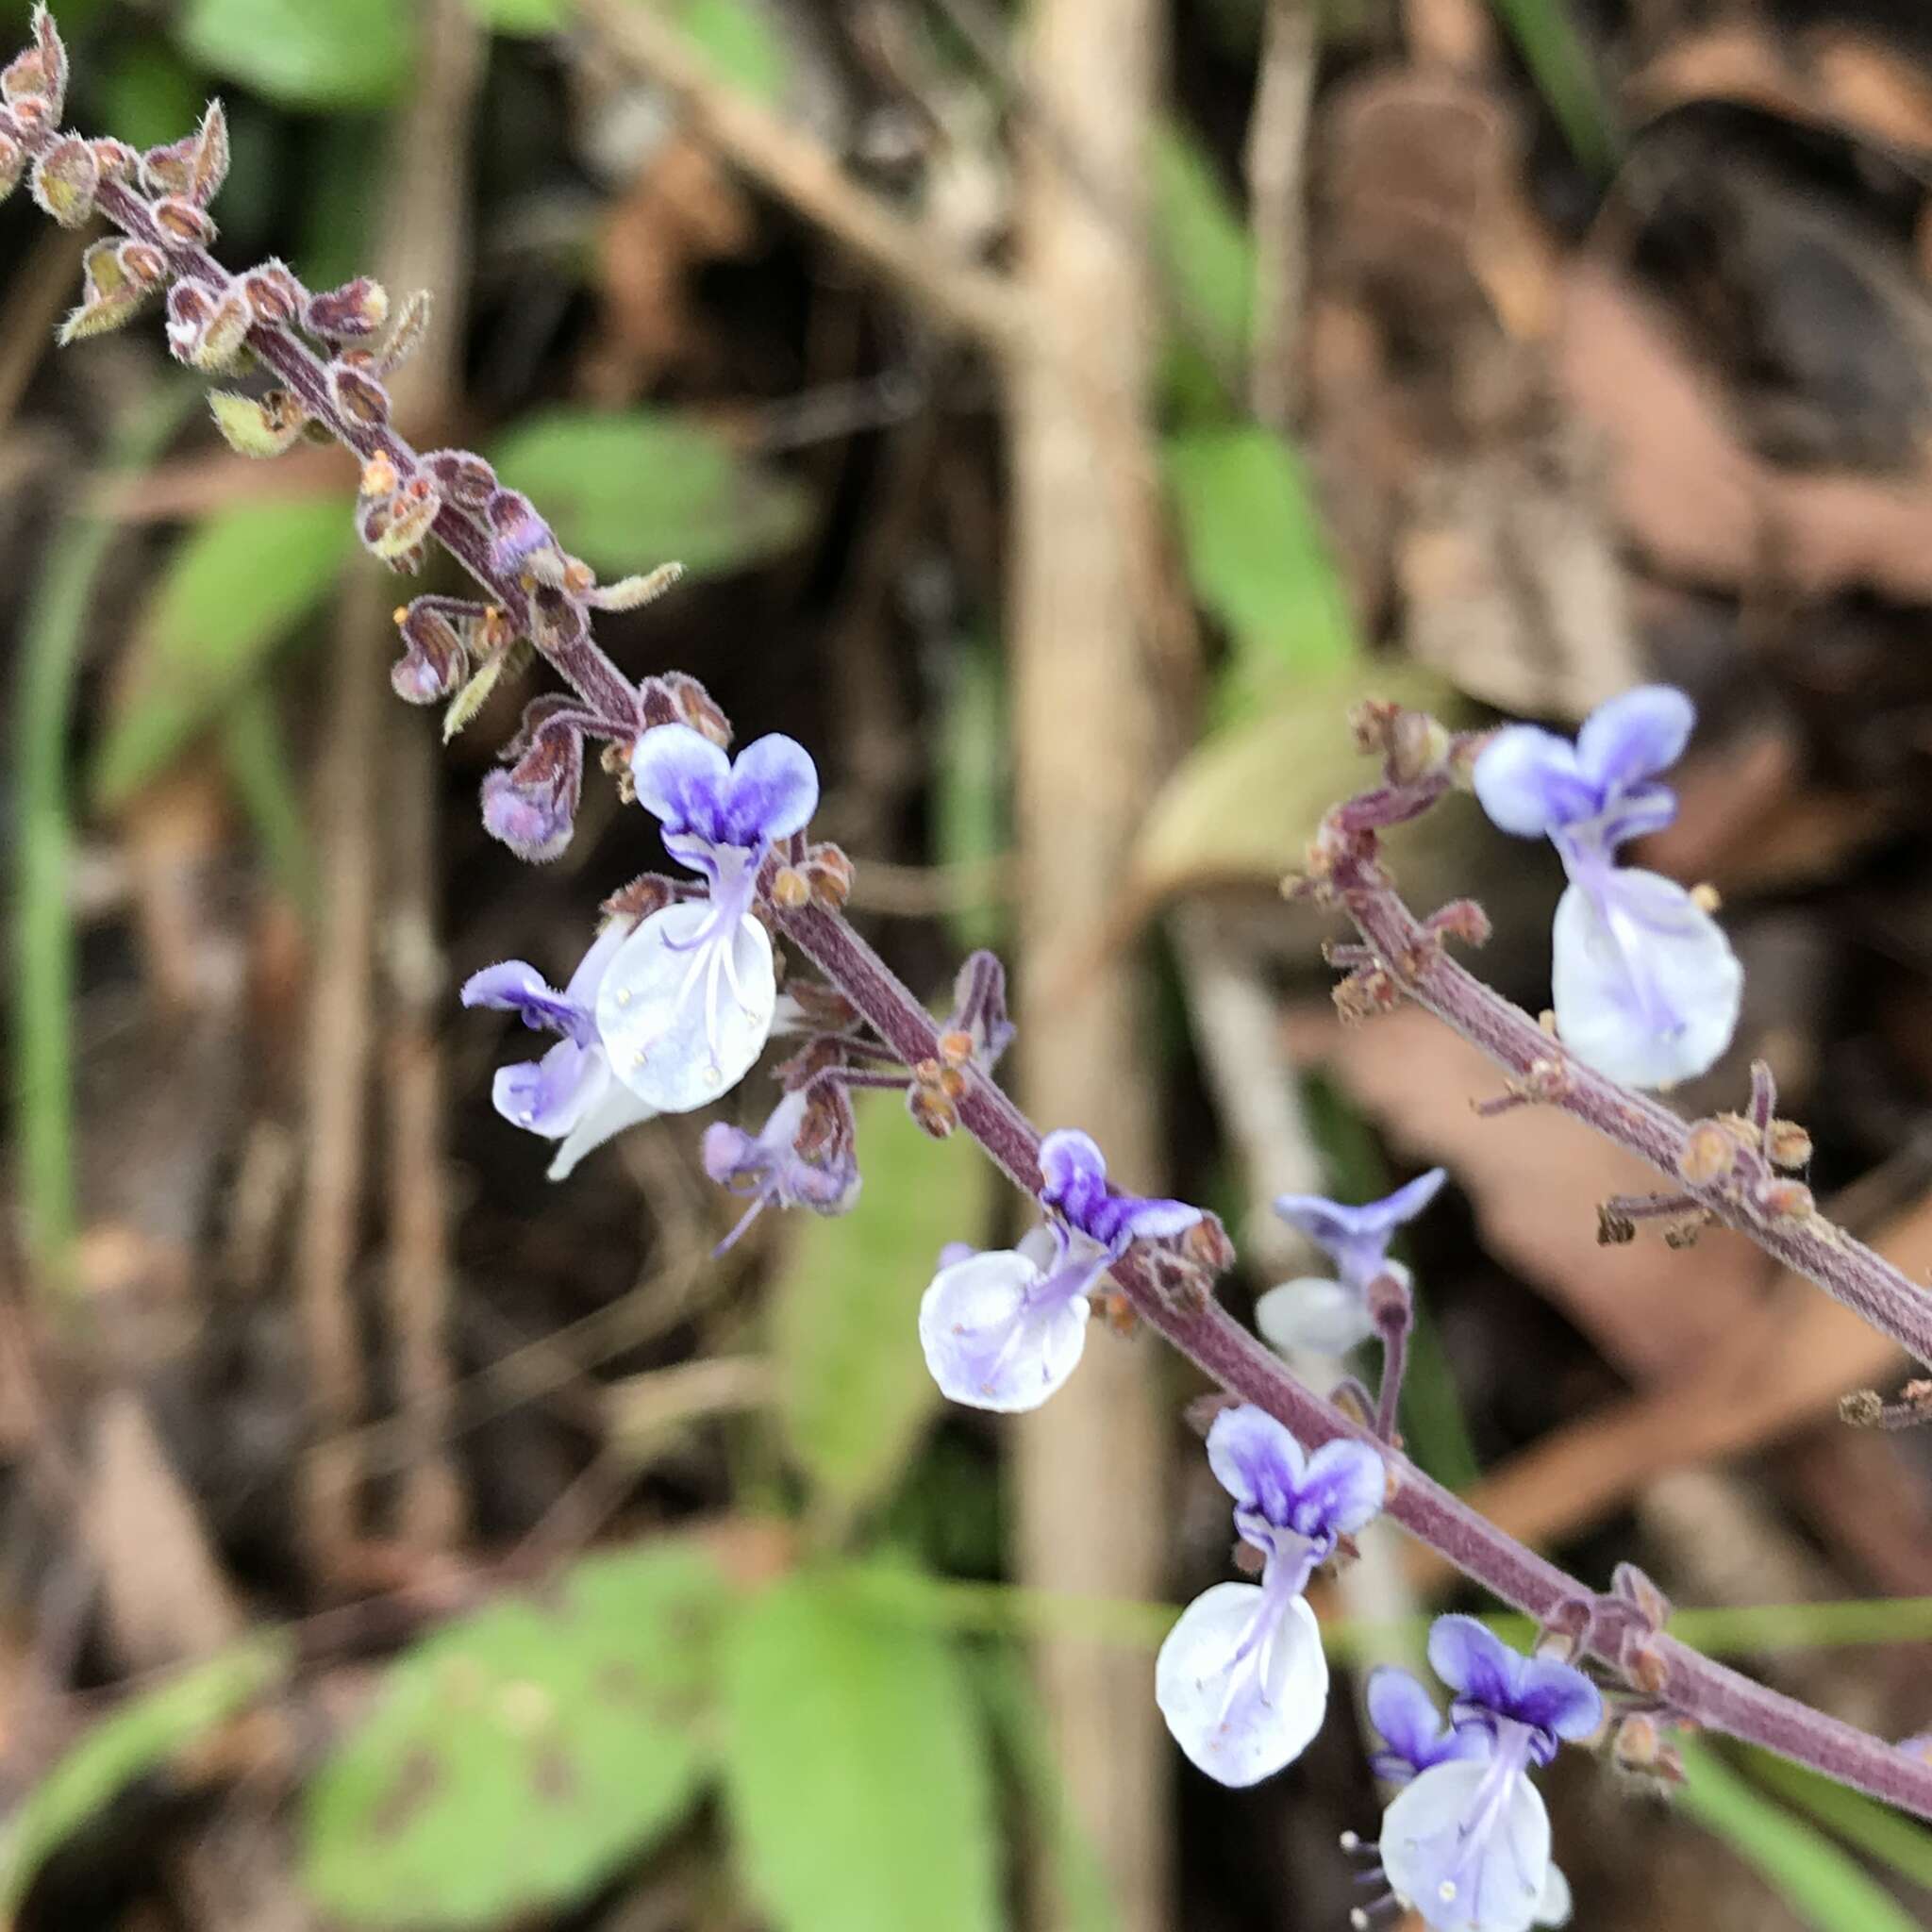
(1070, 1159)
(1240, 1719)
(684, 1011)
(513, 986)
(1342, 1491)
(1412, 1730)
(1474, 1662)
(1552, 1909)
(619, 1108)
(729, 1154)
(550, 1097)
(1324, 1317)
(774, 790)
(1256, 1460)
(1527, 780)
(1490, 1880)
(1645, 985)
(991, 1341)
(681, 777)
(536, 824)
(1635, 737)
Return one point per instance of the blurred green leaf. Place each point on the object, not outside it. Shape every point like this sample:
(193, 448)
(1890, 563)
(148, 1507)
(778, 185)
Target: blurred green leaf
(316, 54)
(1256, 555)
(628, 491)
(1876, 1829)
(235, 588)
(521, 16)
(147, 94)
(517, 1756)
(1565, 76)
(741, 40)
(1207, 273)
(139, 1739)
(859, 1790)
(968, 805)
(854, 1388)
(1822, 1885)
(1243, 804)
(263, 779)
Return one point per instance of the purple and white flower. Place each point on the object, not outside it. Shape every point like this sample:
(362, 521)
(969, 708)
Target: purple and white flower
(1331, 1317)
(1242, 1680)
(687, 1002)
(1415, 1737)
(1466, 1841)
(768, 1167)
(1645, 985)
(570, 1095)
(1001, 1329)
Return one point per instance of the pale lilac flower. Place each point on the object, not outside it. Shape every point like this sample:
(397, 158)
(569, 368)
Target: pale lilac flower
(1242, 1680)
(1004, 1328)
(1414, 1734)
(768, 1167)
(1645, 985)
(570, 1094)
(1467, 1841)
(688, 1004)
(1331, 1317)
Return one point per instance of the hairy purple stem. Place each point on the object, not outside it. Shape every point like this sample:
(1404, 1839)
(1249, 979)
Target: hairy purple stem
(1698, 1689)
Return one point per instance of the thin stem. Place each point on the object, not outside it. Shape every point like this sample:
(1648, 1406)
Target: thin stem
(1706, 1693)
(1394, 1310)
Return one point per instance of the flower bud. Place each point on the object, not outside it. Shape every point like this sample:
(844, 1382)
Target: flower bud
(361, 398)
(115, 160)
(273, 294)
(1707, 1156)
(267, 425)
(356, 310)
(405, 520)
(39, 76)
(145, 265)
(1785, 1200)
(207, 160)
(648, 893)
(1788, 1144)
(698, 709)
(463, 478)
(65, 179)
(181, 221)
(435, 659)
(167, 168)
(516, 531)
(555, 622)
(532, 807)
(110, 295)
(633, 593)
(1418, 747)
(931, 1112)
(790, 889)
(830, 874)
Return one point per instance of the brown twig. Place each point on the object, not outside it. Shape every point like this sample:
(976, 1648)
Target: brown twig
(1277, 212)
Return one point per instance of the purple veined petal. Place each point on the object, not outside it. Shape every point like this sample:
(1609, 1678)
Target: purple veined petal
(1341, 1491)
(1147, 1220)
(685, 1008)
(1468, 1845)
(1632, 815)
(619, 1108)
(1529, 782)
(1645, 985)
(551, 1095)
(774, 790)
(1413, 1731)
(515, 987)
(1552, 1909)
(991, 1341)
(1634, 737)
(1073, 1181)
(682, 778)
(1242, 1708)
(1557, 1698)
(1258, 1461)
(1394, 1210)
(1314, 1313)
(1474, 1662)
(1357, 1239)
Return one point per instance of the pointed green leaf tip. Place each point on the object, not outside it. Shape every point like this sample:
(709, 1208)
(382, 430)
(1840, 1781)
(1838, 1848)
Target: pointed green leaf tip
(255, 427)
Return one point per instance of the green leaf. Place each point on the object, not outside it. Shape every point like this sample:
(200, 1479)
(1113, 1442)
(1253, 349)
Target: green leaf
(626, 492)
(139, 1739)
(1207, 273)
(518, 1757)
(147, 94)
(1256, 555)
(319, 54)
(1566, 76)
(1820, 1882)
(1876, 1829)
(521, 16)
(854, 1390)
(739, 39)
(858, 1781)
(230, 593)
(968, 805)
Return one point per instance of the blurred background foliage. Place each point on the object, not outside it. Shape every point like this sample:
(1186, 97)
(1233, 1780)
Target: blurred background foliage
(1609, 351)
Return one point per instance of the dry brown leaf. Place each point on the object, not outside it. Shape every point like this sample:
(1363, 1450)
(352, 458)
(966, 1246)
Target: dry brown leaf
(1779, 1367)
(1689, 492)
(1831, 77)
(1535, 1178)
